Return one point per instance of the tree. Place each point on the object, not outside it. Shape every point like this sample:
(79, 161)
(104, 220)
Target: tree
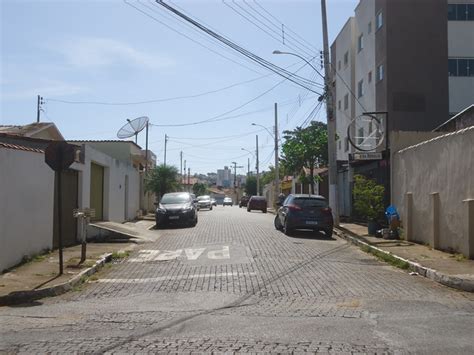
(305, 148)
(162, 179)
(368, 198)
(199, 189)
(251, 186)
(269, 176)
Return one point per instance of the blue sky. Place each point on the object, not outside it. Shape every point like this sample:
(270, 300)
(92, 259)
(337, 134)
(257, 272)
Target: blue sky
(107, 51)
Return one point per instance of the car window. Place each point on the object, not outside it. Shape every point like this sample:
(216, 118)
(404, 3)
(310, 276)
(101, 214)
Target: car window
(170, 199)
(200, 198)
(310, 202)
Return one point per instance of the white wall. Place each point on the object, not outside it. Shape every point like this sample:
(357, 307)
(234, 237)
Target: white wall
(445, 165)
(114, 185)
(26, 205)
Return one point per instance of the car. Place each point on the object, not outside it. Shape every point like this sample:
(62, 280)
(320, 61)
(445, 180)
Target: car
(257, 203)
(213, 201)
(243, 201)
(301, 211)
(227, 201)
(176, 208)
(204, 201)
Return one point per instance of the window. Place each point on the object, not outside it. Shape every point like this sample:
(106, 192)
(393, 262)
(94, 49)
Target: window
(339, 144)
(380, 72)
(369, 28)
(360, 42)
(378, 20)
(461, 12)
(346, 101)
(370, 127)
(360, 135)
(339, 65)
(461, 67)
(370, 77)
(346, 144)
(360, 88)
(346, 59)
(339, 104)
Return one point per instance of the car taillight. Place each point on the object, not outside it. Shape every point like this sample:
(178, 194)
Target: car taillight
(327, 210)
(294, 208)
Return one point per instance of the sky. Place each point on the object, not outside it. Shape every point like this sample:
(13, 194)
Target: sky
(98, 63)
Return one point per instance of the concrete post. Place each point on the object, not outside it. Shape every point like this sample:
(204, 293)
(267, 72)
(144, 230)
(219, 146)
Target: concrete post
(435, 219)
(469, 208)
(408, 223)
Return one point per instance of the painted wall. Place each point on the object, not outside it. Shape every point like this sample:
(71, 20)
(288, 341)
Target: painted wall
(445, 165)
(26, 205)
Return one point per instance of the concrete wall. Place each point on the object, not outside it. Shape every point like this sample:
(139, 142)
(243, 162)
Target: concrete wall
(443, 165)
(26, 205)
(114, 185)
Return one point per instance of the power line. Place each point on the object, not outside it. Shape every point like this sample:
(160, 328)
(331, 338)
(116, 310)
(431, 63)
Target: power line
(303, 82)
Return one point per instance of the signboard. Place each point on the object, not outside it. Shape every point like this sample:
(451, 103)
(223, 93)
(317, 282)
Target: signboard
(367, 156)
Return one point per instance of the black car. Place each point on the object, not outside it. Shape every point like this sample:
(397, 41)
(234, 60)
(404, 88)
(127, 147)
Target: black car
(176, 208)
(304, 212)
(257, 203)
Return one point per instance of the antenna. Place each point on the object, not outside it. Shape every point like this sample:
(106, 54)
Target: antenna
(132, 128)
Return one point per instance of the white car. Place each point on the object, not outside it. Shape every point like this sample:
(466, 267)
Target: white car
(227, 201)
(204, 202)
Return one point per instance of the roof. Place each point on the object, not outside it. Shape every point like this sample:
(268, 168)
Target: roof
(455, 117)
(20, 147)
(103, 141)
(29, 129)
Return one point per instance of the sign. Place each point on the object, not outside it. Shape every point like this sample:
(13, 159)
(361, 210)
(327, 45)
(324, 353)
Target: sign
(59, 155)
(367, 156)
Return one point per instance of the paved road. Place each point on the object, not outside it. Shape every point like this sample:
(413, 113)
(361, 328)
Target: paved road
(234, 283)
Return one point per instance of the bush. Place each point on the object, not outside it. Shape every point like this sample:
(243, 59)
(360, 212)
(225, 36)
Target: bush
(368, 198)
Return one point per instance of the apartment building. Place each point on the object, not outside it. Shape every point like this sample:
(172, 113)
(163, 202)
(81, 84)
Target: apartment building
(413, 60)
(225, 178)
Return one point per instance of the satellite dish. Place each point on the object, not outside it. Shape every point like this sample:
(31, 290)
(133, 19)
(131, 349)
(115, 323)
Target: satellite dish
(133, 127)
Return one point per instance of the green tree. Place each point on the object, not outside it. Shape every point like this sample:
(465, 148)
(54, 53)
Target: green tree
(269, 176)
(162, 179)
(251, 186)
(305, 148)
(199, 189)
(368, 198)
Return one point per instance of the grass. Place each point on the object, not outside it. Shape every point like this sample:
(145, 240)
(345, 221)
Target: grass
(117, 255)
(387, 258)
(459, 257)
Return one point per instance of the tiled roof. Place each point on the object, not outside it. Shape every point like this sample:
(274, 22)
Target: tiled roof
(101, 141)
(22, 130)
(20, 147)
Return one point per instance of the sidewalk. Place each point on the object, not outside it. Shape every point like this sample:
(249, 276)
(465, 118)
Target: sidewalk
(451, 270)
(40, 277)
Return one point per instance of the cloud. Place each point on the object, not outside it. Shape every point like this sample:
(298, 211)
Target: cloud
(46, 88)
(102, 52)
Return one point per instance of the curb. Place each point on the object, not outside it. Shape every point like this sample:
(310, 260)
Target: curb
(32, 295)
(447, 280)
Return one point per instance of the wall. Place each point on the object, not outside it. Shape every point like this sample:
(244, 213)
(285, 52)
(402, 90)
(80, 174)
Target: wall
(445, 165)
(26, 205)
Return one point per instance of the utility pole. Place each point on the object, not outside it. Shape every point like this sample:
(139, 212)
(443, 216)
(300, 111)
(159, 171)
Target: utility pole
(166, 143)
(189, 177)
(184, 175)
(256, 167)
(277, 170)
(333, 199)
(38, 108)
(235, 179)
(181, 166)
(248, 167)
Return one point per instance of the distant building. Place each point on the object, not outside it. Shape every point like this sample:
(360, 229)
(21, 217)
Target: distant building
(414, 60)
(225, 178)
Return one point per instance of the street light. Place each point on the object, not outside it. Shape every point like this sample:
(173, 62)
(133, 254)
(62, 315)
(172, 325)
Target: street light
(331, 123)
(248, 160)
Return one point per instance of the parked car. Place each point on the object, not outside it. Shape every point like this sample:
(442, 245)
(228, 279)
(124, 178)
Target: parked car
(304, 212)
(227, 201)
(213, 201)
(176, 208)
(204, 201)
(257, 203)
(243, 201)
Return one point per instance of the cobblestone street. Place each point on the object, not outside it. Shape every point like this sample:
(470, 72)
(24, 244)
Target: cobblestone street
(235, 284)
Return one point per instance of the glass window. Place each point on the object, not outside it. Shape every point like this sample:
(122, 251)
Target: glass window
(346, 101)
(339, 104)
(380, 72)
(471, 67)
(379, 20)
(339, 65)
(370, 127)
(339, 144)
(370, 76)
(470, 12)
(360, 88)
(360, 135)
(360, 42)
(369, 27)
(346, 58)
(310, 202)
(452, 12)
(462, 67)
(461, 12)
(453, 67)
(346, 144)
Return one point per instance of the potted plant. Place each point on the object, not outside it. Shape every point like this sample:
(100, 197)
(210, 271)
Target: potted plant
(368, 200)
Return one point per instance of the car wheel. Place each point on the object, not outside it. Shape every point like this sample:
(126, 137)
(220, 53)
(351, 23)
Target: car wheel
(264, 211)
(240, 206)
(248, 209)
(287, 230)
(210, 208)
(277, 223)
(328, 232)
